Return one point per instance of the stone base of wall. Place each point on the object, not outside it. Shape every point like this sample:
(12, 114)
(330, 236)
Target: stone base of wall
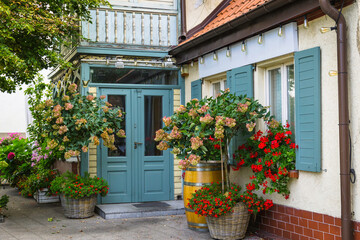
(64, 166)
(295, 224)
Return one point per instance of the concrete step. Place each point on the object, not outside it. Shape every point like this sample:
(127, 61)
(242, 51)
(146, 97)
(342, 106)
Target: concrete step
(139, 210)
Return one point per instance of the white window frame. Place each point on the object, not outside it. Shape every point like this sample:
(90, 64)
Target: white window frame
(208, 87)
(284, 90)
(222, 86)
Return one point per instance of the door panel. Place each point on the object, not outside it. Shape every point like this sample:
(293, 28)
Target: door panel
(116, 166)
(154, 164)
(137, 171)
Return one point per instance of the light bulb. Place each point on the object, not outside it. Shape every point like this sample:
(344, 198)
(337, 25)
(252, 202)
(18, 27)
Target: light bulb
(243, 46)
(280, 32)
(228, 53)
(306, 24)
(215, 56)
(201, 60)
(260, 39)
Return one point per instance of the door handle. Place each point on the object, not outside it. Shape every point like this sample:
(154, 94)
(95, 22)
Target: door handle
(136, 144)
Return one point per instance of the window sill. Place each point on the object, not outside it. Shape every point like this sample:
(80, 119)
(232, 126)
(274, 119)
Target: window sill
(294, 174)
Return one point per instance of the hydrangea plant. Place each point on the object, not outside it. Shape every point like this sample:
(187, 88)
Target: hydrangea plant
(73, 121)
(200, 129)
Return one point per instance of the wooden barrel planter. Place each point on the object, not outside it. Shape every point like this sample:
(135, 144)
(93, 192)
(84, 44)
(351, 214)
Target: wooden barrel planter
(195, 178)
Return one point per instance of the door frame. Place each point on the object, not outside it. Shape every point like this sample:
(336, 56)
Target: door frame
(85, 76)
(171, 106)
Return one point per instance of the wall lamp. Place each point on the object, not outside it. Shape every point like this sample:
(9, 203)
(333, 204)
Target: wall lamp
(327, 29)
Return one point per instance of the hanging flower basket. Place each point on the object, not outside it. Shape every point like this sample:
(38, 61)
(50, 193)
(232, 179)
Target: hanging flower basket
(230, 226)
(78, 208)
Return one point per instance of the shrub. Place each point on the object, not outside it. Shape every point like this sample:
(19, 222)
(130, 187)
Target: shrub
(17, 156)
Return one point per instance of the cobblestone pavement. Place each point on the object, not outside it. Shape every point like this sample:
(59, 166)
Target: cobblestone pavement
(25, 219)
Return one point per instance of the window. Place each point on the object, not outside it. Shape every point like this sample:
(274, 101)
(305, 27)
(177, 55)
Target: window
(281, 93)
(217, 86)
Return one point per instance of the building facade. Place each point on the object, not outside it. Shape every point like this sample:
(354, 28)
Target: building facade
(124, 56)
(274, 51)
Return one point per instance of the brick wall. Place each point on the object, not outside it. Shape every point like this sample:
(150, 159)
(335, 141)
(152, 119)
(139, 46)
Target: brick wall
(295, 224)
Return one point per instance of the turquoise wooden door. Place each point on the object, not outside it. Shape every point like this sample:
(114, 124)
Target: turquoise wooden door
(137, 171)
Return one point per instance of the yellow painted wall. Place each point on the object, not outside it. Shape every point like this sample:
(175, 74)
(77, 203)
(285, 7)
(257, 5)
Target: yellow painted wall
(92, 148)
(193, 75)
(177, 171)
(195, 16)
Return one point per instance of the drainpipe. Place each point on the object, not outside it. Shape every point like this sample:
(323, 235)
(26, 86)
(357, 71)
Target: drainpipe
(346, 224)
(182, 37)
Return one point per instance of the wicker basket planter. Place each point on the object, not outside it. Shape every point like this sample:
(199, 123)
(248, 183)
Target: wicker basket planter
(78, 208)
(230, 226)
(42, 197)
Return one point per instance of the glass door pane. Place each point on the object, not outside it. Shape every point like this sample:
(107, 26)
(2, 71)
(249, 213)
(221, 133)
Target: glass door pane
(153, 121)
(120, 143)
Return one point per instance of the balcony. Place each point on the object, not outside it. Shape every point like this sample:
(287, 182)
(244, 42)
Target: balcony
(131, 29)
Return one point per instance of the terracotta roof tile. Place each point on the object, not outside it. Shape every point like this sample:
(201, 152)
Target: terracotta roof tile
(235, 9)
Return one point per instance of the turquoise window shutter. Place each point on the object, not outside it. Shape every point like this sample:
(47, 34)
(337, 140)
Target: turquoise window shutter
(241, 82)
(196, 89)
(308, 109)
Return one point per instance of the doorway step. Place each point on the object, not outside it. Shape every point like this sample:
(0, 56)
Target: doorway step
(139, 210)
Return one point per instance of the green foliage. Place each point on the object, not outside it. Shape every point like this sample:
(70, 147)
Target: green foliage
(32, 32)
(36, 94)
(270, 157)
(18, 157)
(39, 179)
(190, 130)
(4, 201)
(73, 121)
(75, 186)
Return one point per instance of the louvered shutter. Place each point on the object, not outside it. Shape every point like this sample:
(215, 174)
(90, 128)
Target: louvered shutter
(240, 82)
(308, 109)
(196, 89)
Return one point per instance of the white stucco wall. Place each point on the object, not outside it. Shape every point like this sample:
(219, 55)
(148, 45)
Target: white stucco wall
(320, 192)
(13, 112)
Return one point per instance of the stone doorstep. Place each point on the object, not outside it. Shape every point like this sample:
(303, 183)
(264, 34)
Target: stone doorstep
(139, 210)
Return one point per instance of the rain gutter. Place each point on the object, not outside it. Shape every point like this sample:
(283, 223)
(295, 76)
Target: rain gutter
(346, 224)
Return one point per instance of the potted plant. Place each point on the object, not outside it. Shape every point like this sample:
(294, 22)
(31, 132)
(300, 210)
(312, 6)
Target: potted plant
(38, 184)
(227, 214)
(202, 131)
(78, 194)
